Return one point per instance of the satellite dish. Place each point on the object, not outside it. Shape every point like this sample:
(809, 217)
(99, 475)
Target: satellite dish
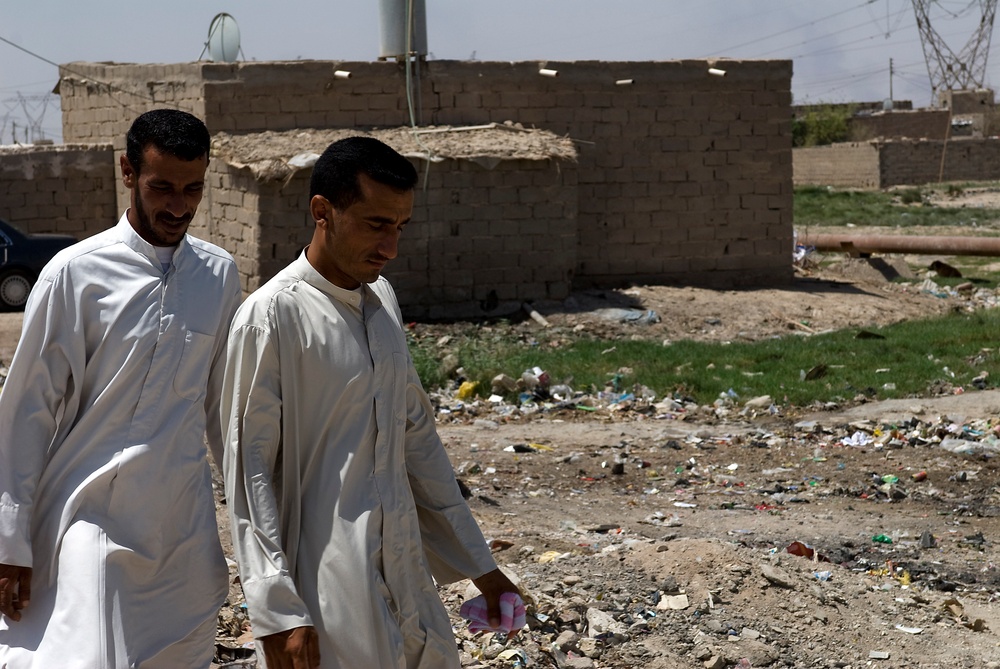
(223, 38)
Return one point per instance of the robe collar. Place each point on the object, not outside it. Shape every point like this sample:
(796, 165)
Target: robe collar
(132, 239)
(304, 269)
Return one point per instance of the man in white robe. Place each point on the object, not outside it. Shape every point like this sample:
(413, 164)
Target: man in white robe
(344, 504)
(109, 549)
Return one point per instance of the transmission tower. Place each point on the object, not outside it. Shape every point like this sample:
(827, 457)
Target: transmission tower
(33, 107)
(966, 69)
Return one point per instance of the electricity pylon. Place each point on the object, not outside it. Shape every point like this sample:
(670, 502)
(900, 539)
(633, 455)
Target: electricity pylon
(966, 69)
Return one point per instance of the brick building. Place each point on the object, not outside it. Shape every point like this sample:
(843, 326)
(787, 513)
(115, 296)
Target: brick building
(680, 176)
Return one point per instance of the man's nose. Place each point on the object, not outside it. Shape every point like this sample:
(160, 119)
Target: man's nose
(389, 245)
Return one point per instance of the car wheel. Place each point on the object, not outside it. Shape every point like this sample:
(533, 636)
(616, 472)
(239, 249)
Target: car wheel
(14, 288)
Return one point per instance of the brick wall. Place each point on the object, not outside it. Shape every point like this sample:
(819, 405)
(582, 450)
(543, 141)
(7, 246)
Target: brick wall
(100, 100)
(682, 176)
(483, 240)
(844, 165)
(488, 239)
(977, 101)
(897, 162)
(919, 162)
(915, 124)
(66, 188)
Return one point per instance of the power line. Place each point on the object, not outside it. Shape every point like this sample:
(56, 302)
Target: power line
(789, 30)
(111, 88)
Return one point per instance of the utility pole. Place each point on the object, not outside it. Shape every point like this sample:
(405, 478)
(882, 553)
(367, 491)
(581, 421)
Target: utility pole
(890, 80)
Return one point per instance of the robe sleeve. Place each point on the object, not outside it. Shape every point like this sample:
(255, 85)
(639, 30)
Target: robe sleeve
(38, 388)
(213, 426)
(453, 543)
(251, 418)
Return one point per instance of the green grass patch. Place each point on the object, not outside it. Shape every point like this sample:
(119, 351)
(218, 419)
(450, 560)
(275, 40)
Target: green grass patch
(911, 359)
(818, 205)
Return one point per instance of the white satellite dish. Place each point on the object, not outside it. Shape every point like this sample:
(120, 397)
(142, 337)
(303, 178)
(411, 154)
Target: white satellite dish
(223, 38)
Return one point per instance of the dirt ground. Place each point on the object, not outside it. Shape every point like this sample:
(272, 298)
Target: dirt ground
(661, 535)
(634, 511)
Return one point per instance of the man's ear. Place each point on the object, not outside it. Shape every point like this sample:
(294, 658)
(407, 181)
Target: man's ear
(128, 174)
(321, 210)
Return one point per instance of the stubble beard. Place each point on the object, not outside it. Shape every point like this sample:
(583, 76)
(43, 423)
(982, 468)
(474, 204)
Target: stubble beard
(149, 233)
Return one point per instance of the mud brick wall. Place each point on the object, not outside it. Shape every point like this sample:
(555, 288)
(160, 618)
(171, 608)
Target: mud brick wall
(919, 162)
(843, 165)
(486, 239)
(683, 176)
(898, 162)
(978, 101)
(66, 188)
(100, 100)
(482, 240)
(917, 124)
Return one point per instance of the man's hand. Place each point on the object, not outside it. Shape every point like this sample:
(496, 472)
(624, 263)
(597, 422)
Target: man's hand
(292, 649)
(493, 584)
(15, 590)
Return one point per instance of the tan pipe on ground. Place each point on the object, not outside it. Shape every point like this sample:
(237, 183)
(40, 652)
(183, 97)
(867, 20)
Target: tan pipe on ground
(948, 246)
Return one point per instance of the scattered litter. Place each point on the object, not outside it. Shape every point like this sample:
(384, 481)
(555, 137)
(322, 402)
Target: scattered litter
(806, 551)
(673, 602)
(639, 316)
(859, 438)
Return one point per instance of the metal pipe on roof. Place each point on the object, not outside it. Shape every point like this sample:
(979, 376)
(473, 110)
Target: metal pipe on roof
(928, 245)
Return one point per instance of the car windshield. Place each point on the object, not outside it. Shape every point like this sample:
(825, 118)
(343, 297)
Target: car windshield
(15, 228)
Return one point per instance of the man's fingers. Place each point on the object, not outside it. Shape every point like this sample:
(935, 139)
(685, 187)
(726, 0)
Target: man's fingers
(8, 604)
(313, 649)
(24, 588)
(493, 611)
(274, 653)
(306, 654)
(292, 649)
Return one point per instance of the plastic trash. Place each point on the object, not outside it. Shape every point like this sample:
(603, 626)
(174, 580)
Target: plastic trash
(534, 378)
(805, 550)
(859, 438)
(466, 390)
(561, 392)
(644, 317)
(909, 630)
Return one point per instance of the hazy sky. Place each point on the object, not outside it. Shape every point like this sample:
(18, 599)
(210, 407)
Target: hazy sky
(841, 49)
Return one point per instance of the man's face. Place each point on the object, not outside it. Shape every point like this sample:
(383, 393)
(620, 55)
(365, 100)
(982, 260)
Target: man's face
(358, 241)
(165, 195)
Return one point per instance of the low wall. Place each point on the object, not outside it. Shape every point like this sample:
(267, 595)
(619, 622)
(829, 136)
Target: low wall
(844, 165)
(66, 188)
(897, 163)
(920, 162)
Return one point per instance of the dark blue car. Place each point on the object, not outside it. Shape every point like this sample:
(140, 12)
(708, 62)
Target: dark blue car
(22, 257)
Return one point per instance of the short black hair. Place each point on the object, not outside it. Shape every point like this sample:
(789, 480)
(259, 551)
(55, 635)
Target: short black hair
(171, 131)
(335, 174)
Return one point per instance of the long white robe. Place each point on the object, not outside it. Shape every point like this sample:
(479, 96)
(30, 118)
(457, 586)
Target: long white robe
(105, 483)
(342, 497)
